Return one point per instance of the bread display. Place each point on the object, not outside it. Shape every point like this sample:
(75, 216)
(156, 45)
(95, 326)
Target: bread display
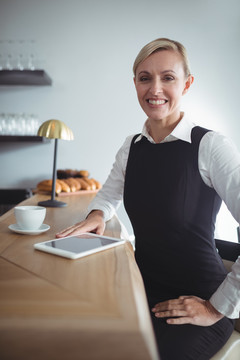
(70, 181)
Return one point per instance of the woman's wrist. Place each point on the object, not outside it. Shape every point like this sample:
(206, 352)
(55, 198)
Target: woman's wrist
(95, 212)
(213, 311)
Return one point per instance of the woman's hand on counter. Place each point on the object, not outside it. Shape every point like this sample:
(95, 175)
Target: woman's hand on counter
(93, 223)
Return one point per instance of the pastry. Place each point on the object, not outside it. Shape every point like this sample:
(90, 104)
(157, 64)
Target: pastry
(61, 174)
(46, 185)
(84, 184)
(71, 173)
(83, 173)
(73, 184)
(90, 183)
(77, 184)
(64, 185)
(97, 184)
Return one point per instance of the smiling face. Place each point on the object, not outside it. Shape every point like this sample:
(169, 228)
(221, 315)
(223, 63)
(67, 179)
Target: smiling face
(160, 83)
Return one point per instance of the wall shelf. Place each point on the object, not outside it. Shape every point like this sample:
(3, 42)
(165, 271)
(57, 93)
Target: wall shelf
(23, 138)
(24, 77)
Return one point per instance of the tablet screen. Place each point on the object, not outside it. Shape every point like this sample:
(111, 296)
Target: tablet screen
(74, 247)
(78, 244)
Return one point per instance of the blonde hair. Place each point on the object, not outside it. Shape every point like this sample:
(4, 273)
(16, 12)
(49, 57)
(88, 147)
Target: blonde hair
(159, 45)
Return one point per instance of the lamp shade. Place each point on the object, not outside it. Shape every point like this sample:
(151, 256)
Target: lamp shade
(55, 129)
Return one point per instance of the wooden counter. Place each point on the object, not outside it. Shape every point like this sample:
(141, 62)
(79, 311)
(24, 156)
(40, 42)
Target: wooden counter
(54, 308)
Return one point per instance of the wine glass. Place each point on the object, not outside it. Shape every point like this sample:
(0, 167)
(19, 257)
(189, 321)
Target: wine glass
(31, 57)
(20, 54)
(9, 54)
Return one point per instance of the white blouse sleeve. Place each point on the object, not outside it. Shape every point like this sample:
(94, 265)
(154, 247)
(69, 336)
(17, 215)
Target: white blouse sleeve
(219, 165)
(109, 198)
(227, 297)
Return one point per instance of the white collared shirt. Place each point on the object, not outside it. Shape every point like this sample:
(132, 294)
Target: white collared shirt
(219, 167)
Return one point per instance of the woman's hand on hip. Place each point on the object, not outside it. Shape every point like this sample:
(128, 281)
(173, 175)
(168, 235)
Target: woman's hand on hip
(93, 223)
(187, 310)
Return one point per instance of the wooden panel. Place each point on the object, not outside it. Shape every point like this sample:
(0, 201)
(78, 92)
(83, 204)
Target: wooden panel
(63, 343)
(56, 308)
(26, 295)
(44, 320)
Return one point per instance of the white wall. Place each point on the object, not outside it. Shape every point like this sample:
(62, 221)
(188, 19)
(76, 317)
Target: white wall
(89, 47)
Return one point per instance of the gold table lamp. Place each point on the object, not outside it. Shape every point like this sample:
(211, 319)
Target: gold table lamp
(54, 129)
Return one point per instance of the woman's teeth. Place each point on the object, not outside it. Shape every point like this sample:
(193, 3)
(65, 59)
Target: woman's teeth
(156, 102)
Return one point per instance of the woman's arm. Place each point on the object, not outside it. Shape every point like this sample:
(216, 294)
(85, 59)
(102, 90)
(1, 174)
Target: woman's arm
(227, 297)
(108, 199)
(219, 164)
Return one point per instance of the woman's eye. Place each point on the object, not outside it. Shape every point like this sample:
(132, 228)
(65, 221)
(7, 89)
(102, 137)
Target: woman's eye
(144, 78)
(168, 78)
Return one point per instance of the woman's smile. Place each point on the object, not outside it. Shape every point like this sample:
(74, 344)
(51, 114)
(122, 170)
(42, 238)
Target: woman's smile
(156, 102)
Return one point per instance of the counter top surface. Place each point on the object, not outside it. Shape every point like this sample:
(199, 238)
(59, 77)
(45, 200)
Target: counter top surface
(56, 308)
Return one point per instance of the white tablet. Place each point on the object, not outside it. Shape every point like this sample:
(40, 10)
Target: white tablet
(74, 247)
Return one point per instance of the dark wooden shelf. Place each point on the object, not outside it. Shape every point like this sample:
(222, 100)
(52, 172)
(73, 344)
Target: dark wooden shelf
(24, 77)
(23, 138)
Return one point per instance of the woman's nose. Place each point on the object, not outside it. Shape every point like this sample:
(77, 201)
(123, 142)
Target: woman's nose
(156, 87)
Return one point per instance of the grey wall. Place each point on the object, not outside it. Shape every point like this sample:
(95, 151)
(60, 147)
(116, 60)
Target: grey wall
(88, 48)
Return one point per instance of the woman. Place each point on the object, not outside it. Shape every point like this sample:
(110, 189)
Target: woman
(171, 177)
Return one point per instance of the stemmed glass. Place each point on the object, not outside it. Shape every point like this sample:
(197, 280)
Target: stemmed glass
(9, 55)
(31, 55)
(19, 55)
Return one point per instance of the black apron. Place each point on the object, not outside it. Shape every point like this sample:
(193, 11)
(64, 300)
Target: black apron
(173, 215)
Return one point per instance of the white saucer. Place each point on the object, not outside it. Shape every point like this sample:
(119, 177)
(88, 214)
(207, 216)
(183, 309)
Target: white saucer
(17, 229)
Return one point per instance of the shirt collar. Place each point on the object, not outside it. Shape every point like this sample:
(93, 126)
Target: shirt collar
(181, 132)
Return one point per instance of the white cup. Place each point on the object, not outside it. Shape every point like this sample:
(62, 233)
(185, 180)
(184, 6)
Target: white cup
(29, 217)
